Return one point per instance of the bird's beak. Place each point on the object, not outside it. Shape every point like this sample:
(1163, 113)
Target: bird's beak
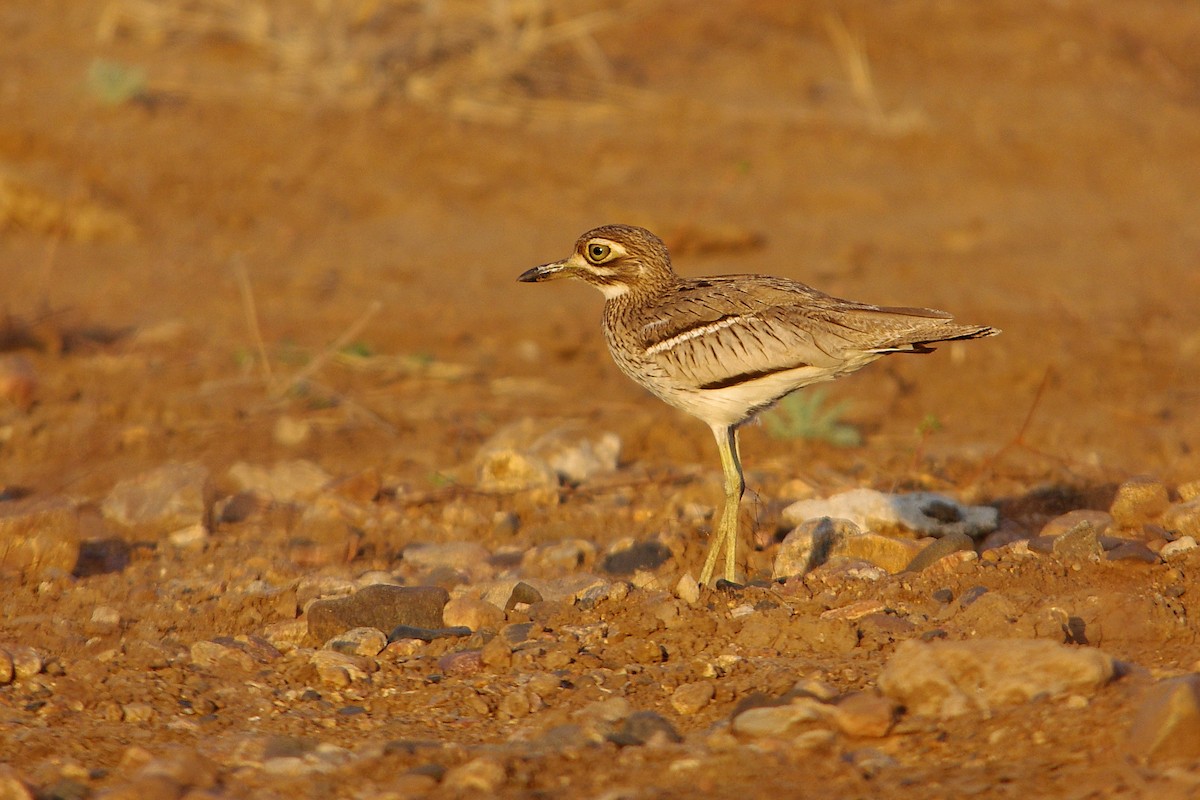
(545, 272)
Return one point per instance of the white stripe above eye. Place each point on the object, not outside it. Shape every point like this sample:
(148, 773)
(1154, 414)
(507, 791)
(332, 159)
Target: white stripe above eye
(693, 333)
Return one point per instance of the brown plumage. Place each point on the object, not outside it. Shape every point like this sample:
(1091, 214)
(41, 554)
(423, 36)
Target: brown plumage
(725, 348)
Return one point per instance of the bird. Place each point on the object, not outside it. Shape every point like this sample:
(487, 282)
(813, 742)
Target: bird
(728, 347)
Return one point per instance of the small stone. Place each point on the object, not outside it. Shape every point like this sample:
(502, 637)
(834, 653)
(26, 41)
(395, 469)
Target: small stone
(284, 482)
(37, 535)
(286, 635)
(1138, 501)
(955, 563)
(325, 534)
(180, 769)
(402, 632)
(213, 655)
(840, 571)
(810, 544)
(1008, 534)
(340, 669)
(237, 507)
(556, 558)
(483, 775)
(578, 452)
(137, 713)
(169, 498)
(924, 513)
(464, 662)
(473, 614)
(141, 654)
(936, 551)
(1167, 724)
(1178, 547)
(7, 668)
(602, 716)
(506, 471)
(814, 688)
(885, 627)
(367, 642)
(779, 720)
(949, 678)
(106, 616)
(1189, 491)
(1041, 544)
(381, 606)
(1100, 521)
(291, 431)
(856, 610)
(497, 653)
(523, 593)
(1079, 544)
(467, 558)
(689, 698)
(687, 589)
(865, 714)
(192, 537)
(572, 451)
(402, 649)
(644, 728)
(286, 767)
(630, 555)
(26, 662)
(886, 552)
(1133, 551)
(1183, 519)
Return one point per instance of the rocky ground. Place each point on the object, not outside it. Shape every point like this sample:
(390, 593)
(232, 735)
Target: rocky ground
(301, 494)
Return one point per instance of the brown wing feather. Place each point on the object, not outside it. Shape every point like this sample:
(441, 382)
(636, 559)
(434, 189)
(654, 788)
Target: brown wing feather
(712, 331)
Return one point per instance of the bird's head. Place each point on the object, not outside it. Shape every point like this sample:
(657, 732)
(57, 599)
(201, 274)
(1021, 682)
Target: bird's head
(616, 259)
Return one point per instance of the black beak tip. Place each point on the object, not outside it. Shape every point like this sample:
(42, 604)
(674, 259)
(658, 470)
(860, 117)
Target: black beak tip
(530, 275)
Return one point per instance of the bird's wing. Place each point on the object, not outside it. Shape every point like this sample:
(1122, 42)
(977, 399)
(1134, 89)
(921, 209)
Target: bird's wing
(721, 331)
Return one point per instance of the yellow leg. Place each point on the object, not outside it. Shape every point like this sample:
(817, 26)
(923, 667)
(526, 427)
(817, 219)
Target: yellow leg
(726, 535)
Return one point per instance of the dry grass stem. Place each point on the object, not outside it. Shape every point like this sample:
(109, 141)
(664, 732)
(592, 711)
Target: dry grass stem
(251, 312)
(331, 350)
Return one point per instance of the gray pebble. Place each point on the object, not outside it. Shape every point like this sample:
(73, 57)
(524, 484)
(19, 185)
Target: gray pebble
(635, 555)
(1132, 551)
(522, 593)
(426, 634)
(644, 727)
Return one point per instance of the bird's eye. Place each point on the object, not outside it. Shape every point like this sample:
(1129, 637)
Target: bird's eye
(596, 253)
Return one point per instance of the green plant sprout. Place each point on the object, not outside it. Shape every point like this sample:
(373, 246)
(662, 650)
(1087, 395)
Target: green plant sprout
(805, 415)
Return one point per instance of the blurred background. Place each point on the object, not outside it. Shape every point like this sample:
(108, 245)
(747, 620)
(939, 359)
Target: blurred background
(272, 228)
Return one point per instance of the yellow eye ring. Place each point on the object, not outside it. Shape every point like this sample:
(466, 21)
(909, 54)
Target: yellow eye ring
(597, 253)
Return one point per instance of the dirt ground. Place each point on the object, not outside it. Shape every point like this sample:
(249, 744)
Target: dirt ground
(256, 233)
